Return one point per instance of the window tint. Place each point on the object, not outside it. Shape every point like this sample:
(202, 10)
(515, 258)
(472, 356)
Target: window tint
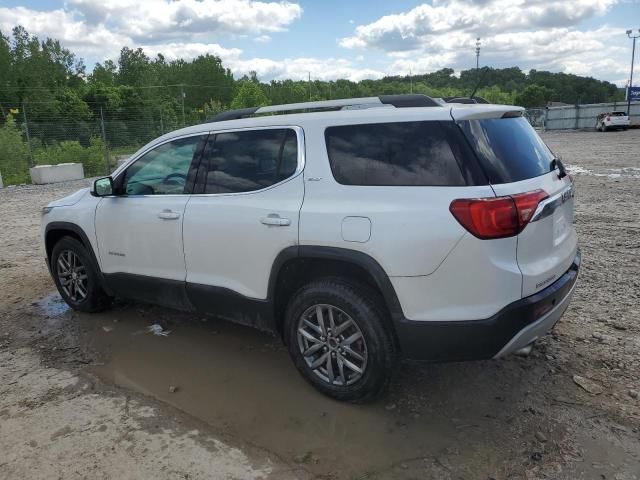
(406, 153)
(163, 170)
(509, 149)
(250, 160)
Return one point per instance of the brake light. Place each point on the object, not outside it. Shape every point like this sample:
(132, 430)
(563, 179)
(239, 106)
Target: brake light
(497, 217)
(608, 119)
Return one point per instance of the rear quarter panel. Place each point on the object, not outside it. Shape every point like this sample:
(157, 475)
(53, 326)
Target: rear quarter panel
(412, 230)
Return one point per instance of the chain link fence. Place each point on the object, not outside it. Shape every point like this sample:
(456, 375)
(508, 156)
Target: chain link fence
(96, 141)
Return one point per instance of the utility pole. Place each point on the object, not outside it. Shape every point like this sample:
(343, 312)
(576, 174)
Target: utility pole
(161, 123)
(410, 81)
(477, 55)
(182, 97)
(26, 131)
(633, 54)
(309, 85)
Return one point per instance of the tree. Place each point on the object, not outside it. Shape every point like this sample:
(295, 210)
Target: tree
(533, 96)
(14, 165)
(249, 94)
(104, 73)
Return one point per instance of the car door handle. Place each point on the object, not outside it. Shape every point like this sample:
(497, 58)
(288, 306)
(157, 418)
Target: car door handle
(168, 215)
(275, 220)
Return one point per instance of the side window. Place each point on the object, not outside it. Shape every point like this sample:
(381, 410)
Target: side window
(250, 160)
(395, 154)
(164, 170)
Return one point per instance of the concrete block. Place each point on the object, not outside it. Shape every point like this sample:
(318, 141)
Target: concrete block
(63, 172)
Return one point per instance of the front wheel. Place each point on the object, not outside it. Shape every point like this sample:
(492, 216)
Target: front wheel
(339, 338)
(76, 276)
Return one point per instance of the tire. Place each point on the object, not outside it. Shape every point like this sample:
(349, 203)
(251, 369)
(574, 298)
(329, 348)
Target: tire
(71, 263)
(361, 309)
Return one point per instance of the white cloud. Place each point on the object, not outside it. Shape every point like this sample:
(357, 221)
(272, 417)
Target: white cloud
(299, 68)
(99, 28)
(153, 20)
(96, 41)
(174, 51)
(537, 34)
(410, 30)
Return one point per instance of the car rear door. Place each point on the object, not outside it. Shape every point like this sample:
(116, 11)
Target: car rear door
(517, 161)
(243, 213)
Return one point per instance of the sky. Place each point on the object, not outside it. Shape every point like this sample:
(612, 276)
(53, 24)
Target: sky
(352, 39)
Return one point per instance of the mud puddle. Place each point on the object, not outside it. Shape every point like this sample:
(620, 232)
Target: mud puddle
(243, 382)
(442, 420)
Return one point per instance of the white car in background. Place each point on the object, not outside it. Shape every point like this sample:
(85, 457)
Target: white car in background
(360, 231)
(612, 120)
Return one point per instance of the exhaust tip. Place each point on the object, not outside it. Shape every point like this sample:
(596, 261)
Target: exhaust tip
(524, 351)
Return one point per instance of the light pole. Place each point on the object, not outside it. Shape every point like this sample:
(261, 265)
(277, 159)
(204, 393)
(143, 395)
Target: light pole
(633, 54)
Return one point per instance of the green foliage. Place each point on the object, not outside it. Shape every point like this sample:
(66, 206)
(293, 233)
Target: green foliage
(70, 151)
(494, 94)
(534, 96)
(14, 162)
(250, 94)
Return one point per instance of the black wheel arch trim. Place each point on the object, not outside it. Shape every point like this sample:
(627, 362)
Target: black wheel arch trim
(74, 228)
(358, 258)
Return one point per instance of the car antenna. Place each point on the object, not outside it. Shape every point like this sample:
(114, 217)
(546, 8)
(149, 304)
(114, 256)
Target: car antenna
(480, 80)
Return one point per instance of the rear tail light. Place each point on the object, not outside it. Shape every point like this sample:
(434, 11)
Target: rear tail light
(608, 119)
(497, 217)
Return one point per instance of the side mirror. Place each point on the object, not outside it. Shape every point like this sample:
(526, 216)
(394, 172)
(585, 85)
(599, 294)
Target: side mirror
(102, 187)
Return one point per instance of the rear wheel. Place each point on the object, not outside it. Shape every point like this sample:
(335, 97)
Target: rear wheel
(76, 276)
(339, 339)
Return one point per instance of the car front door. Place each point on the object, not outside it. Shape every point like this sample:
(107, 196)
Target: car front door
(243, 213)
(139, 229)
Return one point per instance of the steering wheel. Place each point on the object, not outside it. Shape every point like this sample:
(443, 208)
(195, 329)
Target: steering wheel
(175, 179)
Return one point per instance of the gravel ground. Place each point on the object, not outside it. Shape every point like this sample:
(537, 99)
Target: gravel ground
(96, 396)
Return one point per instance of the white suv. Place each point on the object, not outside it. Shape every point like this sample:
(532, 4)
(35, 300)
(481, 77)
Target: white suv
(611, 120)
(361, 231)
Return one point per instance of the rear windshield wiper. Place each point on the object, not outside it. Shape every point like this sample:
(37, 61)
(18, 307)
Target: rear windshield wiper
(557, 163)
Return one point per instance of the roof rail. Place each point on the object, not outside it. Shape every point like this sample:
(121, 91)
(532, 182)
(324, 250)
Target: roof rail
(397, 101)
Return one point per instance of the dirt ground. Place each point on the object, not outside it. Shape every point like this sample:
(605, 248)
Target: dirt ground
(98, 396)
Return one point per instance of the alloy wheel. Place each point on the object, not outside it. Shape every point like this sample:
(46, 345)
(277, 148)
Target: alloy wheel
(332, 344)
(72, 274)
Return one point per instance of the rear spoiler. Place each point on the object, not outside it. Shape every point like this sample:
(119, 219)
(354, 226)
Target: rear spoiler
(480, 111)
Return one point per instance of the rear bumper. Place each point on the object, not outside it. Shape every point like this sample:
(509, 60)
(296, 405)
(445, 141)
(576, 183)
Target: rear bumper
(512, 328)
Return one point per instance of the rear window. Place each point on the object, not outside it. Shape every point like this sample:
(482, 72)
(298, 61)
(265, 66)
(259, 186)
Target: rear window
(398, 154)
(509, 149)
(618, 114)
